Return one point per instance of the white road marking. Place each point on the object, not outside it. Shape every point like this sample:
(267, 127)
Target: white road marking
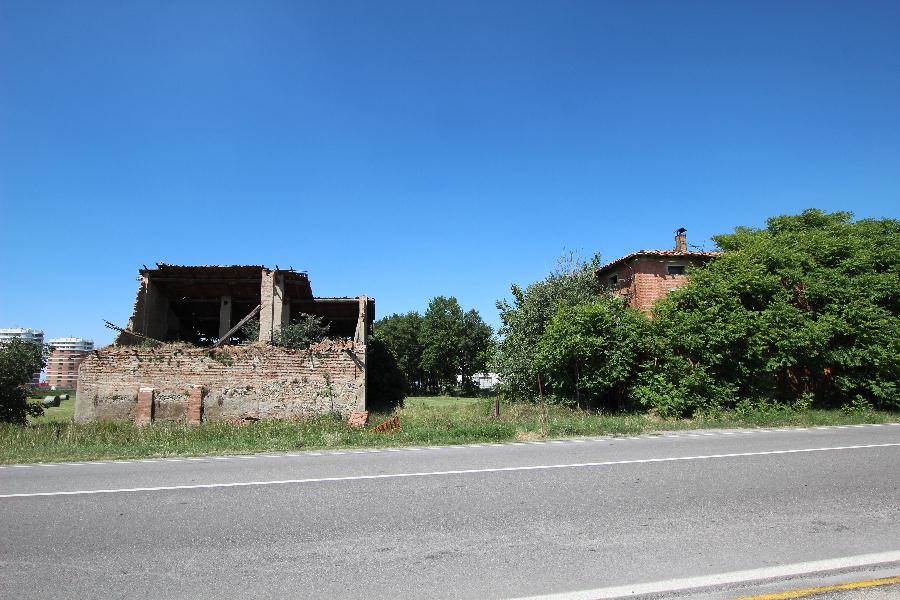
(442, 473)
(732, 577)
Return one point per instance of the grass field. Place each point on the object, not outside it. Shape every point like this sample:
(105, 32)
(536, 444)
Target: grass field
(424, 421)
(57, 414)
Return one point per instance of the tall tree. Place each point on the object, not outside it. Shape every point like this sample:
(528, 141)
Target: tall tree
(571, 282)
(455, 343)
(443, 328)
(477, 348)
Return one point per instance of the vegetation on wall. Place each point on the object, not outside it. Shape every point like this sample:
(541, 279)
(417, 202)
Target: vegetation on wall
(303, 331)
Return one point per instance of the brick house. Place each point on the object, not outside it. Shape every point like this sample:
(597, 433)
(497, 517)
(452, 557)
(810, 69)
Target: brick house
(645, 276)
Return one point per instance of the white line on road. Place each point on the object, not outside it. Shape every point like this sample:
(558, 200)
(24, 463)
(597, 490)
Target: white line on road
(732, 577)
(440, 473)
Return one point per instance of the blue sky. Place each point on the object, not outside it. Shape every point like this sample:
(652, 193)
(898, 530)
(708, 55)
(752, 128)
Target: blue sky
(411, 149)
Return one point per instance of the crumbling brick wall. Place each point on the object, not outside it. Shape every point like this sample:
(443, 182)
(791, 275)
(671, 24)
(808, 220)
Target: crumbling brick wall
(255, 381)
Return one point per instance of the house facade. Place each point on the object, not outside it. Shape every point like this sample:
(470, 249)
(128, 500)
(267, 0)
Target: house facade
(645, 276)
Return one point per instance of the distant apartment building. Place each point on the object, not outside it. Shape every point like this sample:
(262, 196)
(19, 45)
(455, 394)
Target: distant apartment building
(22, 333)
(25, 334)
(71, 343)
(645, 276)
(66, 354)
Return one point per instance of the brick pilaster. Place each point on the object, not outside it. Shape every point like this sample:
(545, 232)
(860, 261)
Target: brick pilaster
(195, 405)
(144, 411)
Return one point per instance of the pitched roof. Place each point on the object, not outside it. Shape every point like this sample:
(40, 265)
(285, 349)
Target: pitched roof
(619, 261)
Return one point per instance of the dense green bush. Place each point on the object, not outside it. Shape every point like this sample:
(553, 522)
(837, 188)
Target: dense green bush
(807, 307)
(802, 313)
(592, 352)
(19, 361)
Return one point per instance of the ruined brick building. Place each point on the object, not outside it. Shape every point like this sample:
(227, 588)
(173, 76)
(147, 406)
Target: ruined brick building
(185, 356)
(645, 276)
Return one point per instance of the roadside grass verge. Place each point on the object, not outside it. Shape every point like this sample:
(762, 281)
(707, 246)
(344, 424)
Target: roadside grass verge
(429, 421)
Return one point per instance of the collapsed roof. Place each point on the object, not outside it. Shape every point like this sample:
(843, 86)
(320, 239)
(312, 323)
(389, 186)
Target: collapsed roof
(201, 304)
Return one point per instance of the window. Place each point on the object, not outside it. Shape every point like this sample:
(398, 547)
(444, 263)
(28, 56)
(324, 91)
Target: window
(613, 279)
(675, 269)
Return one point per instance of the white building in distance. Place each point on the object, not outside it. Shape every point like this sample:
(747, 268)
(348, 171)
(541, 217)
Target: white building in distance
(23, 333)
(71, 343)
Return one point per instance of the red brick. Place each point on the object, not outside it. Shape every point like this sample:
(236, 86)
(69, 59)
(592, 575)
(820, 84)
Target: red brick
(144, 411)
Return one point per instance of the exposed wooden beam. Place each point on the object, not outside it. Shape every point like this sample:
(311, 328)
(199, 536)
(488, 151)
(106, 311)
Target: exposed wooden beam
(240, 324)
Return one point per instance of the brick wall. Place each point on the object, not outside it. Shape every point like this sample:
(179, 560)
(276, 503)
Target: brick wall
(255, 381)
(645, 280)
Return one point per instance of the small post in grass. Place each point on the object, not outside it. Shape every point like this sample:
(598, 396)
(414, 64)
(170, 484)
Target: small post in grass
(543, 407)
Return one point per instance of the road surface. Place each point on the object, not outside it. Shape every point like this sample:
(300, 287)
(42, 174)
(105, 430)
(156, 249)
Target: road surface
(584, 518)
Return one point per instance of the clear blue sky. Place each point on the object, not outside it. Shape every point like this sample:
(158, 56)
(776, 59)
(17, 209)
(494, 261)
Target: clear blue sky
(406, 150)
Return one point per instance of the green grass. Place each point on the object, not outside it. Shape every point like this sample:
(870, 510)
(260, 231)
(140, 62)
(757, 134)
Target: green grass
(57, 414)
(439, 401)
(424, 421)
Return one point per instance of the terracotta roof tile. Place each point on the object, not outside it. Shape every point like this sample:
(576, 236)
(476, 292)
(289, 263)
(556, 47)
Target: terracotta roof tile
(619, 261)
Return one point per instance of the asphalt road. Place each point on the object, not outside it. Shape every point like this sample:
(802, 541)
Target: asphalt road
(490, 521)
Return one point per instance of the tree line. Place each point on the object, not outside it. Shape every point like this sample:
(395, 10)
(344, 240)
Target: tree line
(439, 351)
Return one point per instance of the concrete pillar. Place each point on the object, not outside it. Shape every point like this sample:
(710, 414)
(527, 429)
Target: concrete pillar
(359, 350)
(156, 312)
(272, 302)
(286, 312)
(144, 413)
(224, 315)
(362, 321)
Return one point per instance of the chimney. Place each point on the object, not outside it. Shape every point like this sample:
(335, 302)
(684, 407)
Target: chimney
(681, 240)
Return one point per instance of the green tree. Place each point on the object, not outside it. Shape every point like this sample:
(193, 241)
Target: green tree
(442, 338)
(19, 361)
(808, 306)
(591, 352)
(401, 335)
(573, 281)
(453, 343)
(477, 348)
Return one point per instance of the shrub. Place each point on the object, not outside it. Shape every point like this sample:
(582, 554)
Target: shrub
(303, 331)
(591, 352)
